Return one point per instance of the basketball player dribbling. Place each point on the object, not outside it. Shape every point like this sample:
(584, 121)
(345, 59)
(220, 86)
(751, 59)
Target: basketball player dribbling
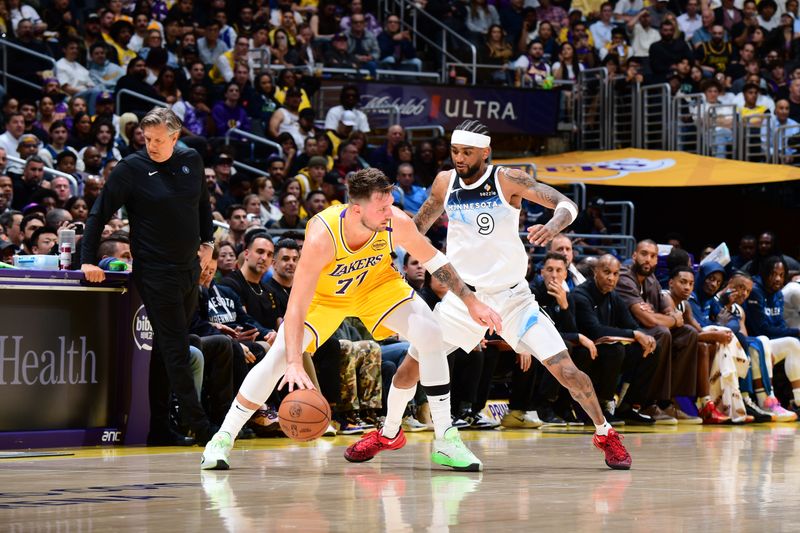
(483, 202)
(346, 270)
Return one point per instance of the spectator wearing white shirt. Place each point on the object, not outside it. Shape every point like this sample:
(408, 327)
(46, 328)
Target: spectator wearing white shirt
(601, 30)
(691, 21)
(644, 34)
(349, 99)
(72, 76)
(211, 47)
(15, 127)
(20, 11)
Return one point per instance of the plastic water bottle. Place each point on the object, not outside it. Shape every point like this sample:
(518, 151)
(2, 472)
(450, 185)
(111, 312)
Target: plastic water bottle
(66, 245)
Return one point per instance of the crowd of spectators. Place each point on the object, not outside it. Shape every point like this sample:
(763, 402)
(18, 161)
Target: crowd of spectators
(711, 335)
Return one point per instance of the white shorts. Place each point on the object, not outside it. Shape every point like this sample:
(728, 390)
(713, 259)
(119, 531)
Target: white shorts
(517, 308)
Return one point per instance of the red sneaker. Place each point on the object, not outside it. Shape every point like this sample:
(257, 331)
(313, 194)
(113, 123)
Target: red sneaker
(711, 415)
(617, 457)
(370, 444)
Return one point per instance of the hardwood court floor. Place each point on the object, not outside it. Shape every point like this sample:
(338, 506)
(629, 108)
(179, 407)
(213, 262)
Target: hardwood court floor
(690, 479)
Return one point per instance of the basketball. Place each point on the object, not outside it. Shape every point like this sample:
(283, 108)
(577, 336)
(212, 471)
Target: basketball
(304, 415)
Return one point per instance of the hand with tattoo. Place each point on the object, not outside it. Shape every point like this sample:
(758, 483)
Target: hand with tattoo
(480, 312)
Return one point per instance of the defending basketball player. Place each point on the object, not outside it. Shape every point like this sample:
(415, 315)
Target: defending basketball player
(346, 270)
(483, 206)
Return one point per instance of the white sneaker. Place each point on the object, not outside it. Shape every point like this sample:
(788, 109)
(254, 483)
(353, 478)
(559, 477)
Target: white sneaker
(216, 455)
(483, 422)
(412, 425)
(330, 432)
(451, 452)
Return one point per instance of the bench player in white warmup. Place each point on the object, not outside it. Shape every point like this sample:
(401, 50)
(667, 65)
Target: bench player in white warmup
(483, 244)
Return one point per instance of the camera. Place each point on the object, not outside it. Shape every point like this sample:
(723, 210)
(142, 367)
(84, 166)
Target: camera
(78, 227)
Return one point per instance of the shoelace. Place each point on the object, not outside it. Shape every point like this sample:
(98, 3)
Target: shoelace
(616, 446)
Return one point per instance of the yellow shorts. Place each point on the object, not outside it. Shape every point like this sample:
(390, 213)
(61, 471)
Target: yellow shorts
(371, 304)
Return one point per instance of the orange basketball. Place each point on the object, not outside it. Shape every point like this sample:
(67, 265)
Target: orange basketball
(304, 415)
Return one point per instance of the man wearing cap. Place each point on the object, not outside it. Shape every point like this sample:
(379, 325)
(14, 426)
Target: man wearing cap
(28, 146)
(311, 177)
(164, 191)
(223, 165)
(349, 99)
(338, 55)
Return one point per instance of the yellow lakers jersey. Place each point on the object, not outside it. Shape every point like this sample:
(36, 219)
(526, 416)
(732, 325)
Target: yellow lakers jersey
(352, 272)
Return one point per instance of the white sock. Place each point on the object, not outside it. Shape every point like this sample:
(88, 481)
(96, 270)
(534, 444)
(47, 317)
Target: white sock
(237, 416)
(761, 396)
(603, 428)
(796, 393)
(440, 414)
(396, 402)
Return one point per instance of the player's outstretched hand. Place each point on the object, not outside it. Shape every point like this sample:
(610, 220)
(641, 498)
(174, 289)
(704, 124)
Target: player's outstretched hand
(92, 273)
(540, 234)
(296, 377)
(486, 316)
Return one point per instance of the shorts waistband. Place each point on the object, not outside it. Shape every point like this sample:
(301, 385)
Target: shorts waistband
(492, 289)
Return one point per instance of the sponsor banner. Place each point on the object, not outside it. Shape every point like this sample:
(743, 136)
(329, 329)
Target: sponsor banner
(652, 168)
(57, 360)
(503, 110)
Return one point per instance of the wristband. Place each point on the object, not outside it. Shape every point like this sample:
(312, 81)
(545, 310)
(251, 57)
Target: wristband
(436, 262)
(569, 206)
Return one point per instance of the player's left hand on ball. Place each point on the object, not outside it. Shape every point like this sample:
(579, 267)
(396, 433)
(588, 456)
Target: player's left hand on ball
(486, 316)
(296, 377)
(540, 234)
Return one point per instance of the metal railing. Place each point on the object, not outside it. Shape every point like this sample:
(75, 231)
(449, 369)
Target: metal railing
(620, 216)
(435, 129)
(591, 102)
(618, 245)
(752, 145)
(132, 94)
(655, 106)
(254, 138)
(785, 144)
(390, 112)
(73, 183)
(416, 12)
(720, 131)
(6, 44)
(621, 114)
(687, 123)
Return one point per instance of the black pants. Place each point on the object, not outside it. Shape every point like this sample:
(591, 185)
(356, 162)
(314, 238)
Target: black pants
(218, 388)
(605, 370)
(640, 372)
(465, 375)
(170, 298)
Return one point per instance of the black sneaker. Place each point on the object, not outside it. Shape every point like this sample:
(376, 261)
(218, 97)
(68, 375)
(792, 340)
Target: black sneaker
(549, 418)
(759, 415)
(369, 416)
(614, 420)
(634, 418)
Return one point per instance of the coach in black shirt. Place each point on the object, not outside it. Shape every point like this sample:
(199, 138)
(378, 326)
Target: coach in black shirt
(165, 194)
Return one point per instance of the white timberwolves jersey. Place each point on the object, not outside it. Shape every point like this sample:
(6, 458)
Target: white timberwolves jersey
(483, 242)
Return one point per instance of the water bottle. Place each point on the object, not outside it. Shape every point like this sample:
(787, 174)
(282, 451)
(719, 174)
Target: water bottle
(66, 245)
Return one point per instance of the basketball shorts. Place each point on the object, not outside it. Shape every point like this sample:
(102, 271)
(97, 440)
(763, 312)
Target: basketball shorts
(522, 322)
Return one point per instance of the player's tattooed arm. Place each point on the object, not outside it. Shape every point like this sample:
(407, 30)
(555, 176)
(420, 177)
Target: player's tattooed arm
(448, 276)
(428, 213)
(434, 205)
(544, 195)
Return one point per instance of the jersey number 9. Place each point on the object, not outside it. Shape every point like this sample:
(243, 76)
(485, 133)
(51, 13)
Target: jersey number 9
(485, 223)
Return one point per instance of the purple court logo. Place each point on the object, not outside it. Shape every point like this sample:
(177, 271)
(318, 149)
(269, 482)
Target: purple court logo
(142, 330)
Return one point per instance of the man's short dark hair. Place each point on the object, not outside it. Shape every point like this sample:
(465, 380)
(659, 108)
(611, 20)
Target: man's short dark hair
(98, 44)
(289, 244)
(556, 256)
(285, 195)
(39, 232)
(313, 193)
(257, 233)
(7, 218)
(108, 246)
(362, 184)
(677, 257)
(27, 218)
(33, 159)
(673, 273)
(65, 154)
(58, 124)
(232, 209)
(296, 235)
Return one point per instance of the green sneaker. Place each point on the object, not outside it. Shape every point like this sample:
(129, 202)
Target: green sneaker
(452, 453)
(216, 456)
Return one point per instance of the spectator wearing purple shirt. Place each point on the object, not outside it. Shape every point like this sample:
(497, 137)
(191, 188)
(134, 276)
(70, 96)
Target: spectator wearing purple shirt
(229, 113)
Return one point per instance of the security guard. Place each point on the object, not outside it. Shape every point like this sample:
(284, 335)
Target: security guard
(165, 194)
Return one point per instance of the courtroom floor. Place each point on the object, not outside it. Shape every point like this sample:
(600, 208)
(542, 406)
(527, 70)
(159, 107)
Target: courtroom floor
(687, 479)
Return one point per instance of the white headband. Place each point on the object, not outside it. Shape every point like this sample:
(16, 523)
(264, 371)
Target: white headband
(468, 138)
